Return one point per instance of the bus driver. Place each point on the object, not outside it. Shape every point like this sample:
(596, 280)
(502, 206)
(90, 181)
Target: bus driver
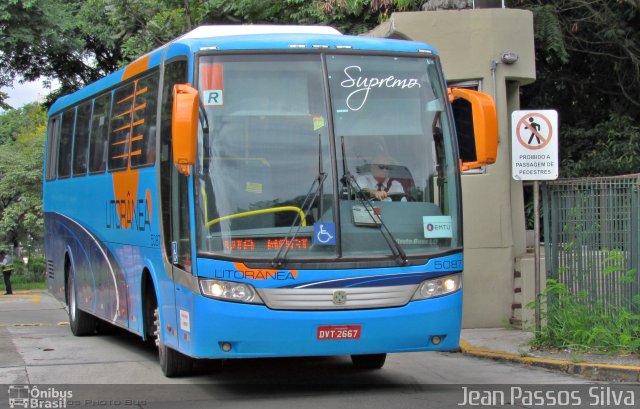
(377, 183)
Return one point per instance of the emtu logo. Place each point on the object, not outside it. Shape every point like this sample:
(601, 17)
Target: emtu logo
(437, 227)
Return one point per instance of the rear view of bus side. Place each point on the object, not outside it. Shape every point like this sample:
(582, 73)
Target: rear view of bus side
(265, 191)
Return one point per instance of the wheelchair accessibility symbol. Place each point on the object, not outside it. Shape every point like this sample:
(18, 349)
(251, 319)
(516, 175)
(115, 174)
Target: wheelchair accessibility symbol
(324, 234)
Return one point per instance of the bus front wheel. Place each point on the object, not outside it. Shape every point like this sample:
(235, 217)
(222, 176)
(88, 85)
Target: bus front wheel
(172, 362)
(373, 361)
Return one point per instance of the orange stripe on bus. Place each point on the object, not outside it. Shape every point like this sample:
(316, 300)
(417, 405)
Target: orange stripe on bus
(123, 114)
(138, 122)
(127, 126)
(136, 153)
(142, 91)
(139, 107)
(120, 142)
(137, 138)
(120, 156)
(138, 66)
(125, 99)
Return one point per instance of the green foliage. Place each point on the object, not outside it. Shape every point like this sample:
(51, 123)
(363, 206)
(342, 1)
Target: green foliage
(574, 321)
(3, 105)
(14, 122)
(33, 272)
(587, 62)
(614, 262)
(21, 158)
(588, 69)
(77, 42)
(36, 266)
(127, 29)
(360, 16)
(42, 38)
(28, 282)
(611, 147)
(548, 32)
(262, 12)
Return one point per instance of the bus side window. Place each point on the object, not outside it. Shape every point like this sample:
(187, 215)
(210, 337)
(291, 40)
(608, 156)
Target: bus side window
(99, 136)
(120, 134)
(143, 136)
(52, 145)
(81, 139)
(175, 73)
(66, 139)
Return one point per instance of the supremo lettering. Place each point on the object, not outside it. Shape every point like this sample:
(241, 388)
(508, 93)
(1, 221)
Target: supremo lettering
(364, 84)
(123, 214)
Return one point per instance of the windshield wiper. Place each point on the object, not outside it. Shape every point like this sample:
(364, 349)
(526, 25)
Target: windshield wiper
(307, 203)
(202, 116)
(349, 181)
(204, 124)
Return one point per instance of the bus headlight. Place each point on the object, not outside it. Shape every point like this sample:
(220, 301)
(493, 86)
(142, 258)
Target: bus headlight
(438, 287)
(229, 291)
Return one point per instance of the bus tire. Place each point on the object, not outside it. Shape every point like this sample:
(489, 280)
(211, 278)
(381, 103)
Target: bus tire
(373, 361)
(173, 363)
(80, 322)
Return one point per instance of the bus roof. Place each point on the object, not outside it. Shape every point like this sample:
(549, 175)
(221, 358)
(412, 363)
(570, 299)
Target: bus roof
(242, 37)
(235, 30)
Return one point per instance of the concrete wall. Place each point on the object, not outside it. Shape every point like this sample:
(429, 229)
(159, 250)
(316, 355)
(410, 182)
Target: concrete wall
(468, 41)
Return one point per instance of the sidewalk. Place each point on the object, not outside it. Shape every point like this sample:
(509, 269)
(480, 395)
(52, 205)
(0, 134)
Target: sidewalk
(512, 346)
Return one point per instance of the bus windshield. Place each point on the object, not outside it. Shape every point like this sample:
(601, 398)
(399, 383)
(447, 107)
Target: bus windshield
(324, 156)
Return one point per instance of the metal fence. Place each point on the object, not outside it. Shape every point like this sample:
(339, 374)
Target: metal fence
(592, 238)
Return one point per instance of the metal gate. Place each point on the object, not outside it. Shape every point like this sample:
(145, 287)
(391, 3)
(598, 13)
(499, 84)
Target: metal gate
(591, 234)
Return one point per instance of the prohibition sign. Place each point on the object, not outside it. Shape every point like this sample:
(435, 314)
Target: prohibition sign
(524, 125)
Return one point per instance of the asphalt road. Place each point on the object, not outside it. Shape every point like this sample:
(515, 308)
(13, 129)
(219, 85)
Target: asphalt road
(119, 370)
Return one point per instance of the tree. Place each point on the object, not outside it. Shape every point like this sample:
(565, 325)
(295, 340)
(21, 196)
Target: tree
(587, 51)
(15, 121)
(588, 68)
(78, 42)
(41, 38)
(118, 31)
(21, 158)
(611, 147)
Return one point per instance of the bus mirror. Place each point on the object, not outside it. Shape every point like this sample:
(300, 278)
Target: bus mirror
(474, 114)
(184, 127)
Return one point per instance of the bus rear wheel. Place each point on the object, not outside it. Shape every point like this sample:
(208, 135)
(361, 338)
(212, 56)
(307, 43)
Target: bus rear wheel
(373, 361)
(80, 322)
(172, 362)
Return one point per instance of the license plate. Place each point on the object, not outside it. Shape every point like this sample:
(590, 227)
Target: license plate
(328, 332)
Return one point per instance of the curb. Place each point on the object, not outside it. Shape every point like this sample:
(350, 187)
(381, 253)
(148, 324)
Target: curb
(599, 372)
(23, 292)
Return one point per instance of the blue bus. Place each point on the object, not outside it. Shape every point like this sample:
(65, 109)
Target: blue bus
(265, 191)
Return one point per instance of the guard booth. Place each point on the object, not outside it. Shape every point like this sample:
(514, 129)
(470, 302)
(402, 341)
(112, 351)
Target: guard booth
(491, 50)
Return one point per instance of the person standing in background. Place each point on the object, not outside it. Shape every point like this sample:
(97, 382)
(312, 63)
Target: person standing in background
(7, 269)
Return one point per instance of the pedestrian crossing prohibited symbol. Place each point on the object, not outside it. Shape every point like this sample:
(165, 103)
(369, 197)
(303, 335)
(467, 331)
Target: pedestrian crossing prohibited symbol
(534, 131)
(534, 145)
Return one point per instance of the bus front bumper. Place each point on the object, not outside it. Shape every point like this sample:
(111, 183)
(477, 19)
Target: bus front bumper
(233, 330)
